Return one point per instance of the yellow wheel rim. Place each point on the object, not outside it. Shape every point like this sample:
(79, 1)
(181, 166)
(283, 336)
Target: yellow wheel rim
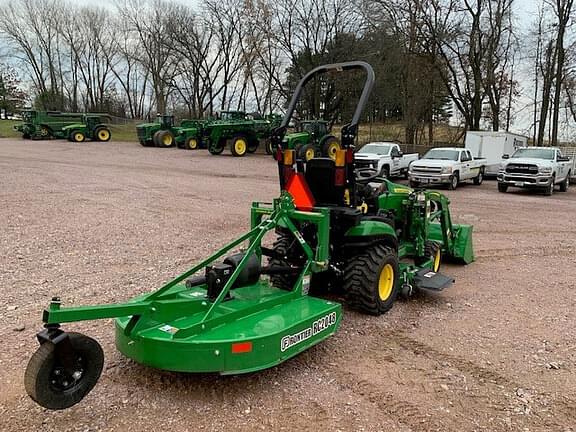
(332, 149)
(78, 137)
(192, 144)
(167, 140)
(437, 261)
(386, 282)
(310, 153)
(103, 134)
(44, 132)
(240, 146)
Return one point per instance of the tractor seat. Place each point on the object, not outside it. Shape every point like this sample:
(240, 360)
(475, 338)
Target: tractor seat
(320, 176)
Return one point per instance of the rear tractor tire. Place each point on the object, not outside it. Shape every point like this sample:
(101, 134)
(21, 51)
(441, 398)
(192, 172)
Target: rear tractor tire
(164, 139)
(55, 387)
(239, 146)
(307, 152)
(102, 134)
(329, 147)
(371, 280)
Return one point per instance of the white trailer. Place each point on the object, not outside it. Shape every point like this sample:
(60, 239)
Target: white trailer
(491, 146)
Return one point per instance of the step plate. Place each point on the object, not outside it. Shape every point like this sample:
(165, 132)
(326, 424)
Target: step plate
(429, 280)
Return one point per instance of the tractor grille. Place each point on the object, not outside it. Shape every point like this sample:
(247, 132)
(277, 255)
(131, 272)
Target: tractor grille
(365, 164)
(141, 133)
(418, 169)
(521, 169)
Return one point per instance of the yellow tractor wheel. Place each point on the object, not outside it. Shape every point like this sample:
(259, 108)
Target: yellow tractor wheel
(239, 146)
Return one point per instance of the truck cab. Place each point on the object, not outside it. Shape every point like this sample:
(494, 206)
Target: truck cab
(385, 157)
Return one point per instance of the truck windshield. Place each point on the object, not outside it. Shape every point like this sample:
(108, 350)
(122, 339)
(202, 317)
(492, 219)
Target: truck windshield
(379, 149)
(536, 153)
(442, 154)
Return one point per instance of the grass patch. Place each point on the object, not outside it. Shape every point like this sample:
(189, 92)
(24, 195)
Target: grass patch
(6, 129)
(124, 132)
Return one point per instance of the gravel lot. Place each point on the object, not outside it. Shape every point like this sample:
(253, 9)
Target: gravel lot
(104, 222)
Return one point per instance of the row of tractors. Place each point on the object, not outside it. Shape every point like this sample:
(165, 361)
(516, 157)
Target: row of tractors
(240, 132)
(76, 127)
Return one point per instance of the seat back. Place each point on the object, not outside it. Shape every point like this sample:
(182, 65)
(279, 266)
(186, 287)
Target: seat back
(320, 176)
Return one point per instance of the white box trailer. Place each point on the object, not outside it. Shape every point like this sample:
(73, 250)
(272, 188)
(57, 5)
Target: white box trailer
(491, 146)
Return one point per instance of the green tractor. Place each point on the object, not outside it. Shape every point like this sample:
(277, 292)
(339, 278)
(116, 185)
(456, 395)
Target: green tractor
(312, 139)
(93, 127)
(160, 133)
(45, 124)
(189, 134)
(241, 311)
(243, 133)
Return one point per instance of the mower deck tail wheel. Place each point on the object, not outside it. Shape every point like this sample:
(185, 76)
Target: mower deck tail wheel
(371, 280)
(56, 387)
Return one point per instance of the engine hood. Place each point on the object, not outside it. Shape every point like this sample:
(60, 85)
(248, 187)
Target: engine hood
(434, 163)
(529, 161)
(368, 156)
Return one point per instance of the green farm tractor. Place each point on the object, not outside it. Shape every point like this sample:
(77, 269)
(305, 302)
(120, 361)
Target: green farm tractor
(189, 134)
(93, 127)
(249, 307)
(161, 133)
(313, 139)
(243, 133)
(45, 124)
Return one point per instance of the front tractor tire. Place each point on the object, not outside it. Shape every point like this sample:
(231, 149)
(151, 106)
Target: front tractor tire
(371, 280)
(56, 387)
(329, 147)
(191, 143)
(306, 152)
(164, 139)
(239, 146)
(77, 136)
(102, 134)
(432, 252)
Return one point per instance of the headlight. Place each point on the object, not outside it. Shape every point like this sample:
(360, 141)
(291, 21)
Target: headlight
(447, 170)
(502, 167)
(545, 170)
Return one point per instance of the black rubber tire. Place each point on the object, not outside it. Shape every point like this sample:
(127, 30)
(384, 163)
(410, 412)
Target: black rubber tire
(454, 181)
(281, 246)
(215, 150)
(75, 135)
(97, 134)
(565, 184)
(235, 152)
(327, 145)
(268, 147)
(502, 188)
(385, 171)
(549, 191)
(479, 178)
(253, 146)
(431, 248)
(39, 375)
(161, 135)
(308, 148)
(361, 276)
(191, 143)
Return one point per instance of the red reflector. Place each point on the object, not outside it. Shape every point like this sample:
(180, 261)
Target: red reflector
(349, 156)
(340, 177)
(298, 188)
(241, 347)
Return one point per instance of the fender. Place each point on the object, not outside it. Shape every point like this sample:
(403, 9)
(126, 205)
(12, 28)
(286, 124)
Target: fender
(368, 232)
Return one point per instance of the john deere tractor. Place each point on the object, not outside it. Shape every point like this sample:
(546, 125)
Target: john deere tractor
(93, 127)
(249, 307)
(45, 124)
(189, 134)
(160, 133)
(312, 139)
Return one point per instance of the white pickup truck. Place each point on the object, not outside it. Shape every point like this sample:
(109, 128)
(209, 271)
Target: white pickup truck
(447, 165)
(386, 157)
(535, 168)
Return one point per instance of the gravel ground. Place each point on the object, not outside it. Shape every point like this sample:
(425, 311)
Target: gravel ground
(104, 222)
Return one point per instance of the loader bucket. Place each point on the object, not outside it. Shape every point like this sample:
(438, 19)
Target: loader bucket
(462, 249)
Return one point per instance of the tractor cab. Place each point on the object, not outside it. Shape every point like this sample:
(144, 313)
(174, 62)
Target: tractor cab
(166, 121)
(316, 128)
(232, 115)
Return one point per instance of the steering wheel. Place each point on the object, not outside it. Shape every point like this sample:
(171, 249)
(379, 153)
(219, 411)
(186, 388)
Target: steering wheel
(365, 175)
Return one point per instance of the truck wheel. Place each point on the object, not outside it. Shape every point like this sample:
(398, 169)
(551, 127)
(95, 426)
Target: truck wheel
(371, 280)
(385, 172)
(550, 188)
(102, 134)
(454, 181)
(239, 146)
(329, 147)
(502, 188)
(479, 178)
(191, 143)
(565, 184)
(164, 139)
(77, 136)
(432, 251)
(55, 387)
(306, 152)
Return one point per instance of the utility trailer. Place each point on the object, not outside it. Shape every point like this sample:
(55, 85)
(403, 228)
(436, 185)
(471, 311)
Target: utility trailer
(491, 146)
